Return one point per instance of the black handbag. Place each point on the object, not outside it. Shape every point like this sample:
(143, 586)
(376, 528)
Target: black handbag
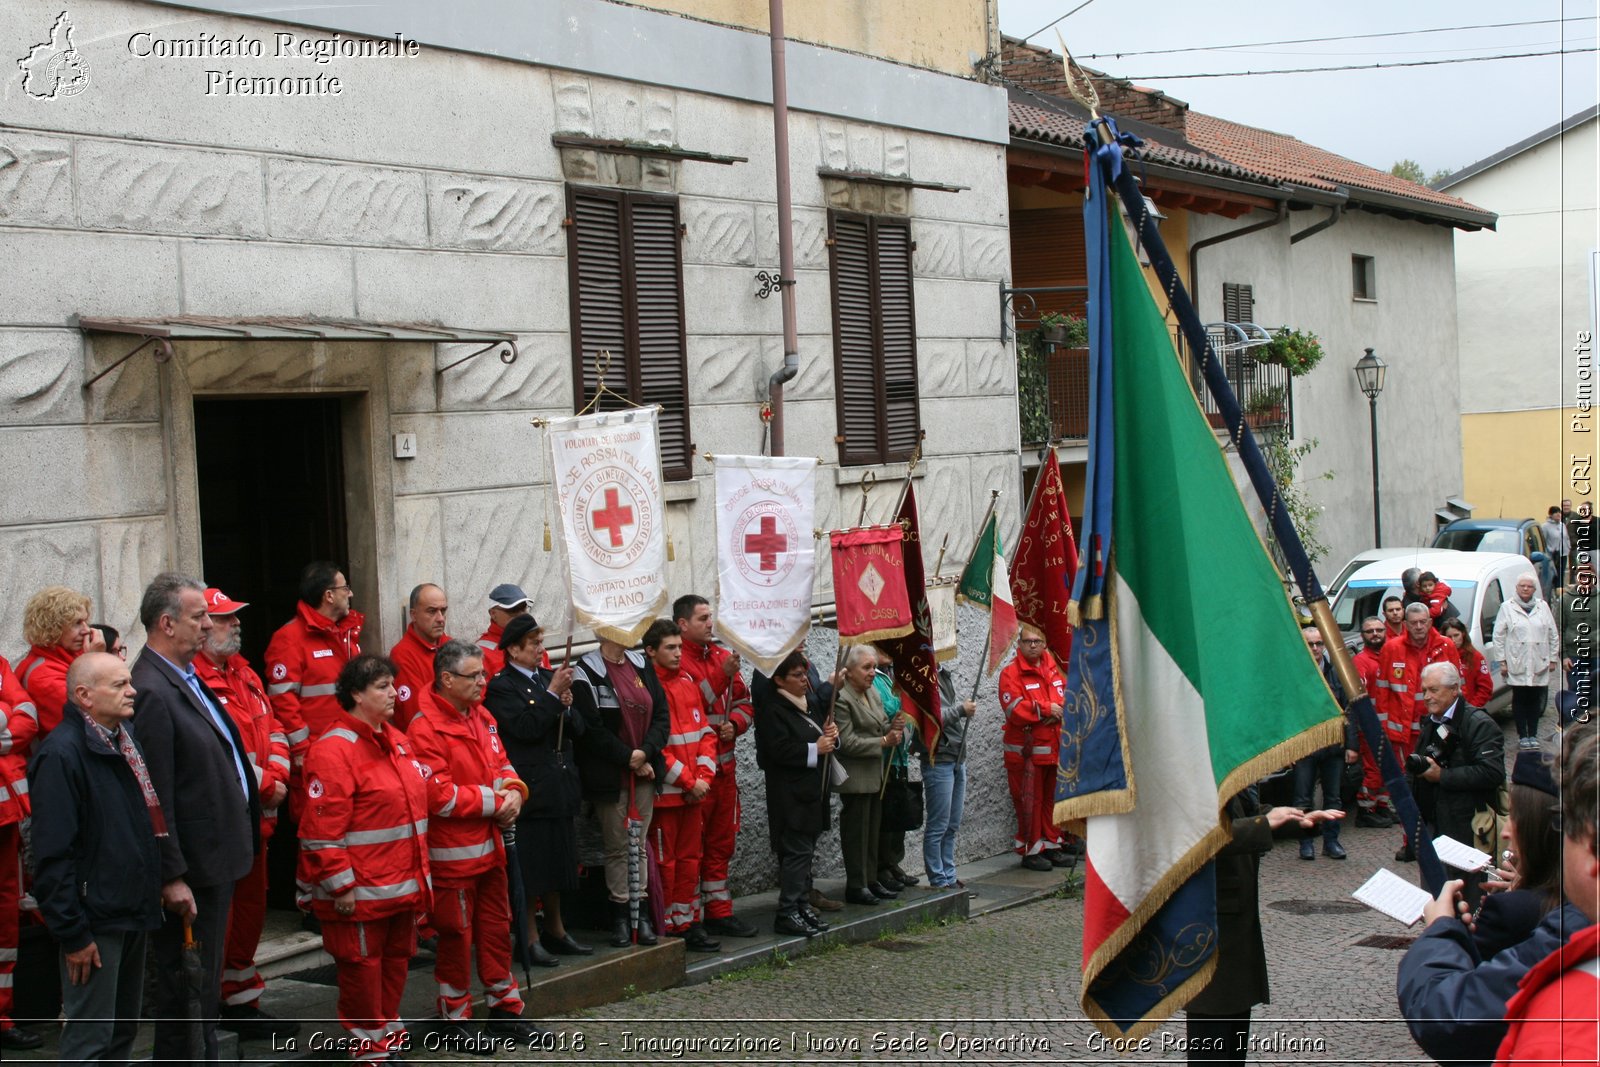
(902, 801)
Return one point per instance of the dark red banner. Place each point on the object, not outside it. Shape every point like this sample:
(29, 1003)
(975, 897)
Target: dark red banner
(1046, 562)
(916, 669)
(869, 584)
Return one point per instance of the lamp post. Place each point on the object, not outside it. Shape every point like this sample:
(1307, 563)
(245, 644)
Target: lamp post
(1369, 375)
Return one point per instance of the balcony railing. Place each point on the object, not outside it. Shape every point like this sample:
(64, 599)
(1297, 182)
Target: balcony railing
(1053, 384)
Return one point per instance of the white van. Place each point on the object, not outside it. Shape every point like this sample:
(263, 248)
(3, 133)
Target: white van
(1479, 583)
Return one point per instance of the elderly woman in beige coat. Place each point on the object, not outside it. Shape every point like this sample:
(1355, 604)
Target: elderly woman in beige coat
(1527, 642)
(865, 733)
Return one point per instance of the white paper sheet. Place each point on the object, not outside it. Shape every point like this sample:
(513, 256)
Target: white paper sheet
(1397, 898)
(1462, 857)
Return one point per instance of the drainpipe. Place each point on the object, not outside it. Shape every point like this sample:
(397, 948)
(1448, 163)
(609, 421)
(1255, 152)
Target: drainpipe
(1194, 249)
(780, 140)
(1335, 213)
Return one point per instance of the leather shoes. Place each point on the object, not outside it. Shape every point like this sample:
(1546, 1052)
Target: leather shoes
(621, 932)
(790, 923)
(822, 902)
(905, 879)
(1036, 863)
(647, 933)
(730, 926)
(1308, 849)
(1333, 850)
(1058, 857)
(503, 1023)
(890, 882)
(539, 956)
(1374, 820)
(812, 919)
(882, 892)
(862, 896)
(695, 939)
(14, 1037)
(1406, 854)
(564, 945)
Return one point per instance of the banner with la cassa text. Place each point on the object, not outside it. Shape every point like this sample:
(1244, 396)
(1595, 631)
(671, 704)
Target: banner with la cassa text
(605, 472)
(766, 557)
(869, 584)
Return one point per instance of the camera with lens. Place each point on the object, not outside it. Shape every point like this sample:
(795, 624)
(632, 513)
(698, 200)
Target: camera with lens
(1417, 762)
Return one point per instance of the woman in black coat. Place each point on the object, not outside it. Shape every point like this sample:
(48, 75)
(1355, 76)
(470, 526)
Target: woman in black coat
(792, 747)
(533, 707)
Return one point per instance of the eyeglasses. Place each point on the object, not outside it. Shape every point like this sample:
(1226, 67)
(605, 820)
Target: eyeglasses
(1031, 641)
(340, 589)
(475, 675)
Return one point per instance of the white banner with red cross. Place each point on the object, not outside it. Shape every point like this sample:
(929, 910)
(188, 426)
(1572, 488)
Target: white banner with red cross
(605, 473)
(766, 554)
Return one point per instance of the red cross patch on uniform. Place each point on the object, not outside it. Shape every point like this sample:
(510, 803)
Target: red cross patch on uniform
(314, 788)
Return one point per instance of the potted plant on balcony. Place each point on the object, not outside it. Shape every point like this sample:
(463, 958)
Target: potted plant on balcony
(1265, 406)
(1063, 331)
(1296, 351)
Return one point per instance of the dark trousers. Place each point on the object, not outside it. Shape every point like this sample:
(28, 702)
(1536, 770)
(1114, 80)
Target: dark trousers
(891, 848)
(860, 820)
(170, 1001)
(1527, 707)
(1324, 766)
(795, 850)
(1218, 1038)
(103, 1014)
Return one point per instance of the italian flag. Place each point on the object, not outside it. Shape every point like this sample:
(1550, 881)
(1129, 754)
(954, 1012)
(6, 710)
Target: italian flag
(984, 582)
(1208, 668)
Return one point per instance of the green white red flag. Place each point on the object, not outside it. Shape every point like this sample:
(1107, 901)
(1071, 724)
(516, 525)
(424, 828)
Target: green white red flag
(985, 582)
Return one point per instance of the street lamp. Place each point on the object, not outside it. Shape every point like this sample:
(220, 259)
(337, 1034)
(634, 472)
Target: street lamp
(1369, 375)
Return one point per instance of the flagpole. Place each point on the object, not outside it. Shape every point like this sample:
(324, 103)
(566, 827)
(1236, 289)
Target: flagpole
(940, 561)
(994, 499)
(1104, 144)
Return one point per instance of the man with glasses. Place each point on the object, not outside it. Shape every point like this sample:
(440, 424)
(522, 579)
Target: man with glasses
(1032, 692)
(304, 659)
(1376, 808)
(1459, 766)
(473, 795)
(1325, 765)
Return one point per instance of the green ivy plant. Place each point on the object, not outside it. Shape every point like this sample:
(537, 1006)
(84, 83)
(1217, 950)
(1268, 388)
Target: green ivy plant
(1033, 391)
(1296, 351)
(1285, 460)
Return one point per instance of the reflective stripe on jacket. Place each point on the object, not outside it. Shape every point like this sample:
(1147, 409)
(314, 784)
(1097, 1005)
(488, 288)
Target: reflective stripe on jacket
(303, 663)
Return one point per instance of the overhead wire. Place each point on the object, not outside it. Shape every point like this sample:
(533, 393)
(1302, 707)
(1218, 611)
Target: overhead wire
(1063, 18)
(1319, 40)
(1357, 66)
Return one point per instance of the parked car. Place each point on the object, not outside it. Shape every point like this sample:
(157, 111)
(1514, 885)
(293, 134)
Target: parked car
(1521, 536)
(1479, 583)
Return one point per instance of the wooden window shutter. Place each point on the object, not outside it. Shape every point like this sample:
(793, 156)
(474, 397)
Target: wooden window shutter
(626, 271)
(1238, 302)
(1047, 249)
(897, 324)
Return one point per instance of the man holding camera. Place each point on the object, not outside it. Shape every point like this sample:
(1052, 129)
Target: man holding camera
(1459, 764)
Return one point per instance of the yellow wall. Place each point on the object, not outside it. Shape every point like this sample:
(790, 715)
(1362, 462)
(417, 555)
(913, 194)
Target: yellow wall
(940, 35)
(1516, 464)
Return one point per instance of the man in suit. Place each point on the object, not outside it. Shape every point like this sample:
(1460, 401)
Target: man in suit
(197, 764)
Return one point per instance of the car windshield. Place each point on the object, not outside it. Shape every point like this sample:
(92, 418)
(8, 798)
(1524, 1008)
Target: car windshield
(1363, 597)
(1490, 539)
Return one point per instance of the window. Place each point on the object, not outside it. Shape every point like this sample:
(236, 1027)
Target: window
(874, 338)
(1493, 598)
(1238, 302)
(1363, 278)
(626, 284)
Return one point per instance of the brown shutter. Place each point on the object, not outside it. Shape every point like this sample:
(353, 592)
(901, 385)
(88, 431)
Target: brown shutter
(1047, 248)
(660, 360)
(626, 286)
(1238, 302)
(855, 368)
(897, 323)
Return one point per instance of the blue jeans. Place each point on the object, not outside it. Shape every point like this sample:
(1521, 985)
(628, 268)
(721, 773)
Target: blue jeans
(944, 789)
(1325, 766)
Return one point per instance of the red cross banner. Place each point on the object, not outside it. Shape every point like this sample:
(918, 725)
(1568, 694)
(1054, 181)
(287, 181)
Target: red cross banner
(766, 557)
(605, 473)
(869, 584)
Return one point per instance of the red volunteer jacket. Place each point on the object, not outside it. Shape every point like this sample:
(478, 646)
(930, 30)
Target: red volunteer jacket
(1026, 693)
(19, 725)
(303, 661)
(691, 749)
(365, 825)
(43, 672)
(1553, 1014)
(467, 766)
(1367, 666)
(414, 657)
(238, 689)
(1477, 683)
(1399, 700)
(704, 663)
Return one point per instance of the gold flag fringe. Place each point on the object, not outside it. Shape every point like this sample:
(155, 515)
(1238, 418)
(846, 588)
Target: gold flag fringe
(872, 636)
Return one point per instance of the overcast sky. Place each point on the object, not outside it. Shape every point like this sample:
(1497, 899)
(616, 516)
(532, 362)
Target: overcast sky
(1444, 117)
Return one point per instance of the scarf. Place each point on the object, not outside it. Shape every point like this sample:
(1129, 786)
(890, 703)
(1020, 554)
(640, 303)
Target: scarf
(122, 741)
(1525, 605)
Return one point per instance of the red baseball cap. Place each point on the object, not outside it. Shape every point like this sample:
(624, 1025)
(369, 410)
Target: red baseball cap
(218, 603)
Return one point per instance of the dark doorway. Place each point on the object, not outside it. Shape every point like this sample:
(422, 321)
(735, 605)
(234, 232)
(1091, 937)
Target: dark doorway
(271, 479)
(272, 493)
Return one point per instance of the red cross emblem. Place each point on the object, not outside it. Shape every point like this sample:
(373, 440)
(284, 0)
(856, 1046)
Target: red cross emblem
(613, 517)
(766, 543)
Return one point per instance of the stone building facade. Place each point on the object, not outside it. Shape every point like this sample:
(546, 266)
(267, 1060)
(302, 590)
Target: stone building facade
(140, 182)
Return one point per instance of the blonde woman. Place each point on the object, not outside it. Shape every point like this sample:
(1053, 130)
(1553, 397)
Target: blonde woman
(55, 624)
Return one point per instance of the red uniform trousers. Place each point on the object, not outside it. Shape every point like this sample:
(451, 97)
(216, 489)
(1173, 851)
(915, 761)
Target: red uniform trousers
(372, 958)
(473, 917)
(1372, 796)
(721, 818)
(10, 916)
(679, 832)
(1035, 808)
(241, 982)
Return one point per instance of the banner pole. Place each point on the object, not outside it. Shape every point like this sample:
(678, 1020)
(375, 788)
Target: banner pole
(940, 561)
